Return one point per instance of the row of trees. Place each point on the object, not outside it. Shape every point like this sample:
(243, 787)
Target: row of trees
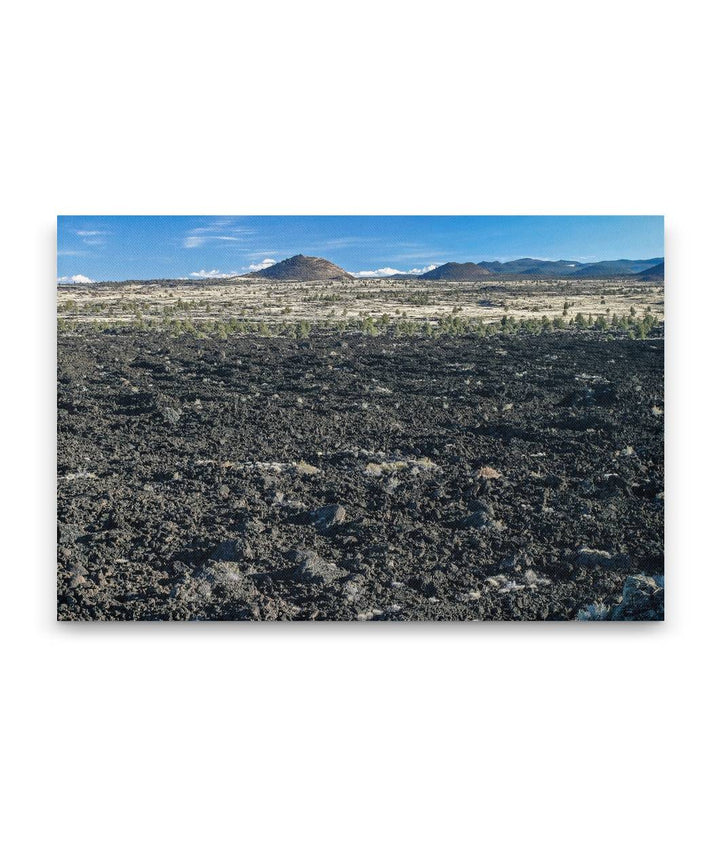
(448, 325)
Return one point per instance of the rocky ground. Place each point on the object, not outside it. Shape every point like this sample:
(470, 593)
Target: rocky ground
(352, 477)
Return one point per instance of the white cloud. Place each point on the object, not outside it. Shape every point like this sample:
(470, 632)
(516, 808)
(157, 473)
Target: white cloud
(212, 274)
(388, 271)
(265, 263)
(77, 279)
(89, 233)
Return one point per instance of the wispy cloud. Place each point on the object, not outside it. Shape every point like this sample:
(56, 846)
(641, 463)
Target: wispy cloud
(73, 253)
(192, 241)
(348, 241)
(218, 232)
(77, 279)
(92, 237)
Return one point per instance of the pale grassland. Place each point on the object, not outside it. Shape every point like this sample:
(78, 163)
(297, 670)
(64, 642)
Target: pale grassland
(416, 300)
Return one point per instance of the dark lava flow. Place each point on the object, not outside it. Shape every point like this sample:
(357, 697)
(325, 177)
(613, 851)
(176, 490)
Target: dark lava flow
(510, 477)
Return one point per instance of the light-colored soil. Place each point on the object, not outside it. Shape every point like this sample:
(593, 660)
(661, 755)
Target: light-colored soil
(262, 300)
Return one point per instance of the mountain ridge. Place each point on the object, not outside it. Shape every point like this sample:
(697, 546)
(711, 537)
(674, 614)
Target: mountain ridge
(654, 274)
(457, 272)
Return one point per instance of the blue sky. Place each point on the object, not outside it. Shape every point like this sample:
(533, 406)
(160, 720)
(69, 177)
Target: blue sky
(100, 248)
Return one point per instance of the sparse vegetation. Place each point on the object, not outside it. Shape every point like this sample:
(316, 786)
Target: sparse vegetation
(451, 324)
(395, 309)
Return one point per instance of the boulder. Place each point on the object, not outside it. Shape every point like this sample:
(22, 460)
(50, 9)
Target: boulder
(310, 566)
(328, 516)
(643, 599)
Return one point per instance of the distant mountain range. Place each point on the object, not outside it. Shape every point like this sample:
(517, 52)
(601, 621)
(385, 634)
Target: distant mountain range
(621, 267)
(311, 268)
(543, 269)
